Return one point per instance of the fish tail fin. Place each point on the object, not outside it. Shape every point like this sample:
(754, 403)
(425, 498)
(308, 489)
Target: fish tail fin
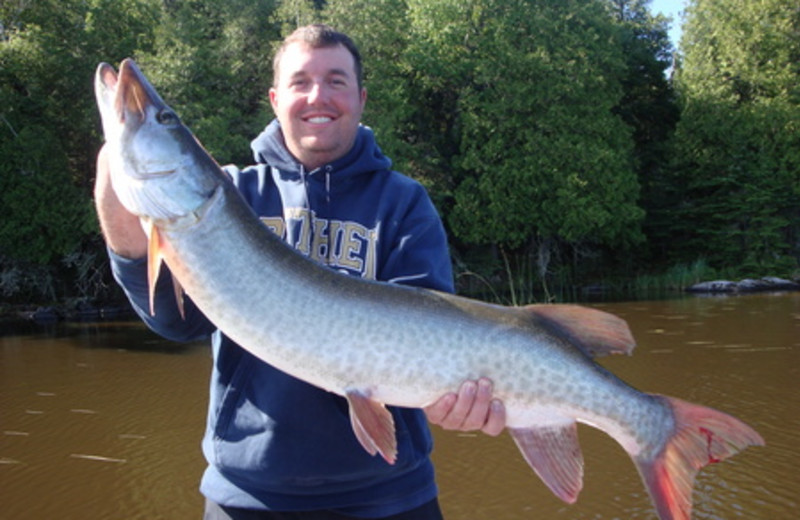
(702, 436)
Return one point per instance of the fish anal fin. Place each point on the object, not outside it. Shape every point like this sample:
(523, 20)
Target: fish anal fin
(595, 332)
(373, 425)
(555, 455)
(702, 436)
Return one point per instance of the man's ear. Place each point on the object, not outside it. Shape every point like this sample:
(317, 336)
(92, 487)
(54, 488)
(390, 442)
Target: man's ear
(273, 98)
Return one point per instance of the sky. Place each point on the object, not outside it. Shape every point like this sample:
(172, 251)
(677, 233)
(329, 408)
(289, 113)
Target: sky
(670, 8)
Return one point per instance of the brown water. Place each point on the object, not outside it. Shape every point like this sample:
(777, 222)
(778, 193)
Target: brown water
(103, 421)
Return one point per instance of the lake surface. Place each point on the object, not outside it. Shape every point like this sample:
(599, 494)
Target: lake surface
(104, 421)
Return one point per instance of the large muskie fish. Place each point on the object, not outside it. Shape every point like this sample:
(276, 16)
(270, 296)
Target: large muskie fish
(379, 344)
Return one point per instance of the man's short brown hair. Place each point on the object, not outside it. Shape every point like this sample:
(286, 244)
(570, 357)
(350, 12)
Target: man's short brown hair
(318, 36)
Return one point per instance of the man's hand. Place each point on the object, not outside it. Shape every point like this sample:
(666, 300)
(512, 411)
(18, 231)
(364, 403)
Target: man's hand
(471, 409)
(121, 229)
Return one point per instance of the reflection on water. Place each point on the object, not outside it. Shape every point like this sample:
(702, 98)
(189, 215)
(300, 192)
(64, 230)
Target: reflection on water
(105, 421)
(100, 422)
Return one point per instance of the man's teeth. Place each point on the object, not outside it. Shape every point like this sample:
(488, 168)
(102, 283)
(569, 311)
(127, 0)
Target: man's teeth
(320, 119)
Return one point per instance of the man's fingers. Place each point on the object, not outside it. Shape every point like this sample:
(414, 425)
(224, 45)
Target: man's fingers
(496, 422)
(477, 414)
(471, 409)
(458, 413)
(437, 411)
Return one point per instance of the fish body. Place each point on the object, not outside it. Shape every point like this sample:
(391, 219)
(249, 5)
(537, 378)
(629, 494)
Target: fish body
(377, 343)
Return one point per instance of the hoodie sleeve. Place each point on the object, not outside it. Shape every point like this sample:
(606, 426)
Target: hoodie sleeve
(166, 321)
(419, 254)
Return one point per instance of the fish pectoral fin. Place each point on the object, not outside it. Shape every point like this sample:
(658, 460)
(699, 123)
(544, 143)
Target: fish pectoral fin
(555, 455)
(155, 259)
(595, 332)
(373, 425)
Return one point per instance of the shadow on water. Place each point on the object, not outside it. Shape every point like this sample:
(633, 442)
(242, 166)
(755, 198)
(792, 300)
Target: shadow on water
(104, 420)
(130, 334)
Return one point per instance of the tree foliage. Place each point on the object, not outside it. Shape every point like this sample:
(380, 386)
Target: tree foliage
(542, 154)
(506, 109)
(737, 169)
(544, 129)
(47, 117)
(211, 59)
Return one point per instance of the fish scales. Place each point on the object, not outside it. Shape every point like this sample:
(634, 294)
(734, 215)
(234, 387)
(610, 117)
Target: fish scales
(290, 334)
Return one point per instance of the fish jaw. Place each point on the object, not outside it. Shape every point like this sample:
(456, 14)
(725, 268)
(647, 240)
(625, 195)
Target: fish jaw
(155, 169)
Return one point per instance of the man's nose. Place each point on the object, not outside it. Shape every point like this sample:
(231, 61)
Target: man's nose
(318, 93)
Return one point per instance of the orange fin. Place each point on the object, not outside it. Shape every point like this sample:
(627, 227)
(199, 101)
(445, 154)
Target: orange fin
(373, 425)
(555, 455)
(702, 436)
(595, 332)
(154, 260)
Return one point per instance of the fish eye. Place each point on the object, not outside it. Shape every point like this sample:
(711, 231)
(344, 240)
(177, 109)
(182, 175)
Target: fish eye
(167, 117)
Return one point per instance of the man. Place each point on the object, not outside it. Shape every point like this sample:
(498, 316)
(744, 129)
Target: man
(276, 446)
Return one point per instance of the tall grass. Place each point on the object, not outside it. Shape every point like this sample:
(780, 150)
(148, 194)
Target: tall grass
(517, 281)
(677, 277)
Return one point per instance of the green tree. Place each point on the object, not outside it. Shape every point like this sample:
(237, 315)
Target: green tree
(379, 28)
(211, 62)
(506, 110)
(543, 160)
(737, 166)
(48, 52)
(291, 14)
(49, 134)
(649, 106)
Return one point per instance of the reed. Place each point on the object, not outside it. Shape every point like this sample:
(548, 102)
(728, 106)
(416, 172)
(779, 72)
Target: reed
(677, 277)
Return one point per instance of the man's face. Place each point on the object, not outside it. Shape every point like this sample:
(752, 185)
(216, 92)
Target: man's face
(318, 102)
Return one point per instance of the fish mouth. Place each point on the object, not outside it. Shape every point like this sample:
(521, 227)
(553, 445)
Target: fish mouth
(132, 96)
(127, 93)
(106, 77)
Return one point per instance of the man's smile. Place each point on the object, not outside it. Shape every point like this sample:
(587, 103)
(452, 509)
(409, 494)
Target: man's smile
(319, 119)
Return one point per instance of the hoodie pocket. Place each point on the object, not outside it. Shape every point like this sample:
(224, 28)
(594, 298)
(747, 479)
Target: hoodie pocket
(229, 403)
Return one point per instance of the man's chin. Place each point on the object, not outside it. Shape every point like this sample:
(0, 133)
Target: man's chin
(318, 153)
(316, 145)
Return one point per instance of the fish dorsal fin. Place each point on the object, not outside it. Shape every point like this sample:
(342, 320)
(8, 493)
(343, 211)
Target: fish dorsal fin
(595, 332)
(373, 425)
(555, 455)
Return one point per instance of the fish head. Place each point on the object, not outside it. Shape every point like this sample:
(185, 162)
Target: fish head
(159, 171)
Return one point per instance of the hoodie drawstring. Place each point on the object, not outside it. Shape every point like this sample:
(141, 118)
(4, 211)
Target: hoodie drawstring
(328, 170)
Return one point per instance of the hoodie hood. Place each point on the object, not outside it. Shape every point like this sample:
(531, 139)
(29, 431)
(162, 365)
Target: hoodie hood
(364, 157)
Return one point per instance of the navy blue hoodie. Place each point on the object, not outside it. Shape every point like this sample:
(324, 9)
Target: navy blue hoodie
(273, 441)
